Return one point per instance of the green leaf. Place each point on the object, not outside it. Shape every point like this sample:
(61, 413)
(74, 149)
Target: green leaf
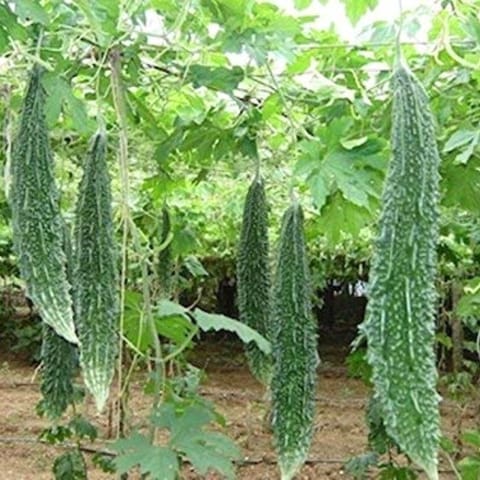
(103, 17)
(195, 267)
(459, 139)
(165, 416)
(167, 308)
(70, 466)
(205, 450)
(135, 328)
(461, 185)
(144, 112)
(56, 434)
(191, 110)
(470, 468)
(358, 467)
(60, 94)
(78, 114)
(82, 428)
(4, 41)
(302, 4)
(271, 106)
(191, 420)
(173, 322)
(357, 173)
(230, 11)
(210, 451)
(472, 437)
(217, 78)
(301, 63)
(160, 463)
(469, 303)
(462, 138)
(353, 142)
(176, 328)
(357, 8)
(319, 189)
(213, 321)
(357, 184)
(10, 24)
(339, 217)
(57, 89)
(31, 10)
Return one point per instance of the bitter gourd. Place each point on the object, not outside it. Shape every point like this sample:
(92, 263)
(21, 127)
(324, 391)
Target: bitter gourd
(253, 276)
(58, 369)
(59, 358)
(36, 220)
(96, 296)
(294, 344)
(400, 324)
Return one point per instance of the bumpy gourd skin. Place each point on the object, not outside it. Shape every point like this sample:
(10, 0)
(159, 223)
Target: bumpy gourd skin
(400, 317)
(96, 289)
(59, 358)
(58, 369)
(36, 220)
(253, 275)
(294, 345)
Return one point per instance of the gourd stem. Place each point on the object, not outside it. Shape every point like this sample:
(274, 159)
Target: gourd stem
(39, 43)
(129, 230)
(257, 166)
(398, 48)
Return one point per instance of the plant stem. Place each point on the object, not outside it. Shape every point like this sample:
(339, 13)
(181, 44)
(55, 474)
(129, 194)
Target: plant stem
(130, 230)
(119, 104)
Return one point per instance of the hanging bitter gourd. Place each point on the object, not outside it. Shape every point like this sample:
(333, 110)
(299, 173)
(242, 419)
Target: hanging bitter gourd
(400, 317)
(59, 358)
(253, 276)
(58, 370)
(36, 220)
(294, 347)
(96, 296)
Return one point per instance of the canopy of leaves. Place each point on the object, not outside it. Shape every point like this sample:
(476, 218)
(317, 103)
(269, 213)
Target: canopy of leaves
(211, 85)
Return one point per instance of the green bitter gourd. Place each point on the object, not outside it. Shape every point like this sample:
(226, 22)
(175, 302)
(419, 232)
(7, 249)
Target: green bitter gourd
(59, 359)
(294, 347)
(96, 296)
(400, 317)
(36, 219)
(253, 276)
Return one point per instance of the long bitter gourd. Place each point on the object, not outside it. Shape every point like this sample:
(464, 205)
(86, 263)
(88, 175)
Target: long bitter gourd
(253, 276)
(96, 296)
(58, 370)
(294, 346)
(36, 220)
(400, 324)
(59, 358)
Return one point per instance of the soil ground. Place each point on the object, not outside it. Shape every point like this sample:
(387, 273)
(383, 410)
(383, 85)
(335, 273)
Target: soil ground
(339, 428)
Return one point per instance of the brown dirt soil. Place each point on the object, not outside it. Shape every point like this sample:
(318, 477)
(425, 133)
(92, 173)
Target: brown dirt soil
(339, 430)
